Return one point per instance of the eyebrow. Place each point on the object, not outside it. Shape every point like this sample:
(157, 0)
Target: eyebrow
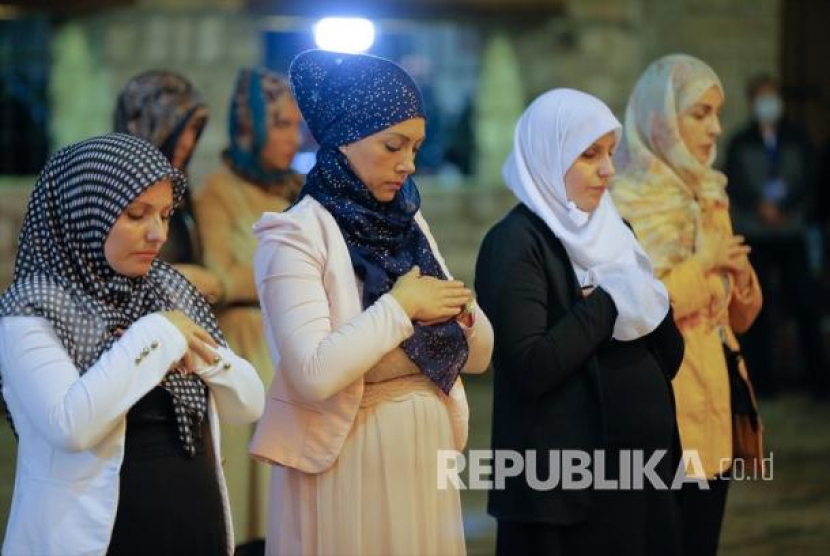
(704, 105)
(143, 204)
(404, 136)
(597, 145)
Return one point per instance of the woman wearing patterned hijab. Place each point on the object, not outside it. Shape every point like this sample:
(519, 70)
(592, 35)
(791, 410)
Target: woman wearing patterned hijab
(677, 204)
(113, 370)
(367, 330)
(163, 108)
(585, 343)
(264, 137)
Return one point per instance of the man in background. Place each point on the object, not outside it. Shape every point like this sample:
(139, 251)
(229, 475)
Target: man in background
(771, 169)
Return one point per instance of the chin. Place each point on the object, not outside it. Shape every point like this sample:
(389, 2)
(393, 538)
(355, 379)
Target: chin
(136, 272)
(588, 206)
(386, 197)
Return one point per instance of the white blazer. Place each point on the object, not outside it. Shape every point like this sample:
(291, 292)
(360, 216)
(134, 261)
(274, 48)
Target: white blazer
(71, 428)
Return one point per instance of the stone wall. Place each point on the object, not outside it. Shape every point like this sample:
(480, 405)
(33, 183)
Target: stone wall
(738, 38)
(208, 45)
(600, 46)
(14, 196)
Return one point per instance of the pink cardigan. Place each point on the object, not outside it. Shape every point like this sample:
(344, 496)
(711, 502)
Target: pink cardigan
(322, 342)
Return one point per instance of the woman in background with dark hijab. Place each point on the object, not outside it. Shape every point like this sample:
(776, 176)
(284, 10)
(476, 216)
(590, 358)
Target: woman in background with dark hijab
(163, 108)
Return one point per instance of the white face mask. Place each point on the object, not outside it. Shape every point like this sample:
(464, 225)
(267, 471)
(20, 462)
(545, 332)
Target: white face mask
(768, 108)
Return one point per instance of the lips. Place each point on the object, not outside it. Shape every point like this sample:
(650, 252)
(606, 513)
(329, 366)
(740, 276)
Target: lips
(146, 255)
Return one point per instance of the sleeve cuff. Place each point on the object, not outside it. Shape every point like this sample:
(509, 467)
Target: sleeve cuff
(156, 330)
(398, 315)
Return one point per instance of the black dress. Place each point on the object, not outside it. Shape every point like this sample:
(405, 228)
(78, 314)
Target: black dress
(169, 503)
(561, 382)
(183, 245)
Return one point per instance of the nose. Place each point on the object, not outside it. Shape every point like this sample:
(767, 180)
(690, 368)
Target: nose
(407, 164)
(606, 167)
(157, 230)
(184, 148)
(716, 128)
(297, 137)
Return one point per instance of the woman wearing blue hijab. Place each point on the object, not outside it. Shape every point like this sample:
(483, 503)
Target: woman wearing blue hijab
(367, 330)
(264, 134)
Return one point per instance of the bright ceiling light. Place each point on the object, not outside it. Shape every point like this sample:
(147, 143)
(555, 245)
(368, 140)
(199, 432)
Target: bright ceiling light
(344, 34)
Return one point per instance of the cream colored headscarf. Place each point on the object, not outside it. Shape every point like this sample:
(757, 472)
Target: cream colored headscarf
(554, 130)
(660, 187)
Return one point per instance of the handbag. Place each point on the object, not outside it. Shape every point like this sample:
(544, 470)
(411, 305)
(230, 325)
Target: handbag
(745, 420)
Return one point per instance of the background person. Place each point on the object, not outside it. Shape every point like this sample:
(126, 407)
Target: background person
(678, 206)
(264, 134)
(163, 108)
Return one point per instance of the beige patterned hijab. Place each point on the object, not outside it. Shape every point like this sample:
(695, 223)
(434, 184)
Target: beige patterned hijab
(660, 187)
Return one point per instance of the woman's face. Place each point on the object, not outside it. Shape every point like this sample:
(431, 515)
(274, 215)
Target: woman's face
(137, 236)
(384, 160)
(587, 178)
(699, 125)
(188, 138)
(284, 135)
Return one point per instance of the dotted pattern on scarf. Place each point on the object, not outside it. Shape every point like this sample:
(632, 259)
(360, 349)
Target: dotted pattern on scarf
(344, 98)
(61, 273)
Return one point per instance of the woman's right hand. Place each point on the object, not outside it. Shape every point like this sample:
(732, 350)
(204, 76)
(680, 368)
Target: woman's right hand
(723, 252)
(429, 300)
(199, 341)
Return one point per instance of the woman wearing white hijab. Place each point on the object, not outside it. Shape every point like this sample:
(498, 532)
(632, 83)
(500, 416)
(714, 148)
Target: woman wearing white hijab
(585, 344)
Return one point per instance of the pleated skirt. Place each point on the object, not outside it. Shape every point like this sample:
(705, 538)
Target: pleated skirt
(381, 496)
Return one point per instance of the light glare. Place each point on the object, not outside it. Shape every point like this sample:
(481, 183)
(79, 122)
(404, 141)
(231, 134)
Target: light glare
(344, 34)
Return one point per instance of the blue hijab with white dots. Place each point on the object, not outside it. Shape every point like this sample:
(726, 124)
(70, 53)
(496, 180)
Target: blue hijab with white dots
(61, 272)
(344, 98)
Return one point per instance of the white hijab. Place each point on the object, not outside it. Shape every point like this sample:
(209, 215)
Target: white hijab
(554, 130)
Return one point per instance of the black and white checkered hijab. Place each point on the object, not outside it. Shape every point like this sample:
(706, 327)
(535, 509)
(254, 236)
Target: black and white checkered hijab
(61, 273)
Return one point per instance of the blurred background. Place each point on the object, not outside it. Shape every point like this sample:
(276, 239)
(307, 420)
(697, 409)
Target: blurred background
(479, 62)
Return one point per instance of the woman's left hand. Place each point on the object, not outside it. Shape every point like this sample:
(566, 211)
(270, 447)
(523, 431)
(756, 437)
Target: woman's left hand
(200, 344)
(743, 274)
(737, 261)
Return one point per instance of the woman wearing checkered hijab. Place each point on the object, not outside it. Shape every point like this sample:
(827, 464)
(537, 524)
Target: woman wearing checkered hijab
(113, 370)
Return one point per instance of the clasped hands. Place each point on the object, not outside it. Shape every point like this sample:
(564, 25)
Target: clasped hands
(429, 300)
(726, 252)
